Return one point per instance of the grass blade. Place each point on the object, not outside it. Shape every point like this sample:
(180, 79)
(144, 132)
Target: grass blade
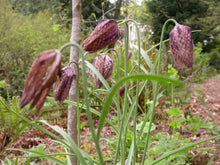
(112, 92)
(37, 154)
(79, 153)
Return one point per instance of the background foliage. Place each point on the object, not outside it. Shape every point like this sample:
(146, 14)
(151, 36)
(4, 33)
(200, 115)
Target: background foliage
(22, 38)
(195, 14)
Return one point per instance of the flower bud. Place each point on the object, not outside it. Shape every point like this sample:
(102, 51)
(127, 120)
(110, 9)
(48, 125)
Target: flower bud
(104, 64)
(106, 33)
(61, 88)
(129, 54)
(42, 75)
(181, 45)
(121, 90)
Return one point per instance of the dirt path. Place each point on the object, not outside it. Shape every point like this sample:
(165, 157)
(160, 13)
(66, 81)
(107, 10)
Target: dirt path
(210, 94)
(206, 103)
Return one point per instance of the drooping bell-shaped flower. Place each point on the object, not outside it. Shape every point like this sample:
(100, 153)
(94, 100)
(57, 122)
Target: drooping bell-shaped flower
(104, 64)
(42, 75)
(106, 33)
(61, 88)
(181, 46)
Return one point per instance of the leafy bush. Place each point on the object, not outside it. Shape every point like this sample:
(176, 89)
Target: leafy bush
(201, 67)
(215, 58)
(21, 39)
(9, 122)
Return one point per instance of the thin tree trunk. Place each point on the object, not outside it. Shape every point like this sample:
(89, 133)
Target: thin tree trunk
(74, 56)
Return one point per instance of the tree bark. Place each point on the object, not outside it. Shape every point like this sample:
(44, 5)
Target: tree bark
(74, 56)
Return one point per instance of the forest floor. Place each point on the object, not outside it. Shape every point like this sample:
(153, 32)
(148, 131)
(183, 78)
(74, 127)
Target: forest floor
(204, 100)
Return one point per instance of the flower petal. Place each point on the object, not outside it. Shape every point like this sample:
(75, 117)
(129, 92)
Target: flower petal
(181, 45)
(106, 33)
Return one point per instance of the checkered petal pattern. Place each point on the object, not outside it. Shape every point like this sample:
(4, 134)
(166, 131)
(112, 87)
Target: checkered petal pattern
(181, 46)
(42, 75)
(61, 88)
(104, 64)
(106, 33)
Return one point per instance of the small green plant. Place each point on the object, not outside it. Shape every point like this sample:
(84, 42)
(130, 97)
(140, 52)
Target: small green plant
(201, 69)
(9, 122)
(190, 122)
(164, 144)
(33, 153)
(176, 119)
(195, 122)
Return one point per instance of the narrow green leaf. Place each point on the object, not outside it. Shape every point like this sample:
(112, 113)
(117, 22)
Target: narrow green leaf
(79, 153)
(92, 110)
(32, 123)
(146, 58)
(15, 136)
(39, 154)
(111, 94)
(183, 148)
(98, 74)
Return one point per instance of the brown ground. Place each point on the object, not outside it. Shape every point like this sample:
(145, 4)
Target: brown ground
(205, 101)
(208, 91)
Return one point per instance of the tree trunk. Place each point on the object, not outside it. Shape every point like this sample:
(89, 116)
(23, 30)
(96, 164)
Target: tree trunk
(74, 56)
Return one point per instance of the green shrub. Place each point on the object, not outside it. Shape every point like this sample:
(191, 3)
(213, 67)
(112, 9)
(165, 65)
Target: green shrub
(201, 67)
(215, 58)
(22, 38)
(10, 123)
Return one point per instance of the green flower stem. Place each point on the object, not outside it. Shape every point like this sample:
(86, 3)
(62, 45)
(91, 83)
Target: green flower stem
(84, 77)
(161, 41)
(137, 91)
(123, 129)
(155, 89)
(119, 139)
(118, 67)
(172, 95)
(156, 45)
(121, 143)
(125, 107)
(117, 103)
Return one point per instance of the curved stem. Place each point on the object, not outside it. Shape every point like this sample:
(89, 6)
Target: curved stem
(155, 89)
(117, 102)
(161, 42)
(112, 49)
(137, 90)
(122, 129)
(84, 78)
